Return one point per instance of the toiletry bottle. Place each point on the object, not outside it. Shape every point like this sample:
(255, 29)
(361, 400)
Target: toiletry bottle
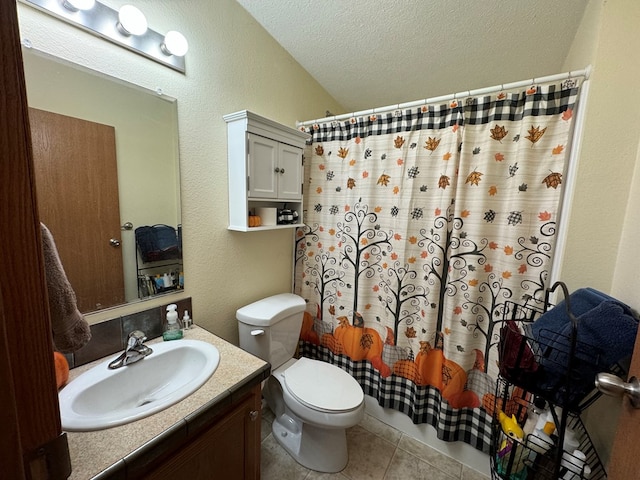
(186, 320)
(172, 328)
(537, 409)
(570, 442)
(572, 465)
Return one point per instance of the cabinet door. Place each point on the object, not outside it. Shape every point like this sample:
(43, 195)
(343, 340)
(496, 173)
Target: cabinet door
(228, 450)
(262, 164)
(290, 175)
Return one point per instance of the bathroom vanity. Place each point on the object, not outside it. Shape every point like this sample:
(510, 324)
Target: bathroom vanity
(213, 432)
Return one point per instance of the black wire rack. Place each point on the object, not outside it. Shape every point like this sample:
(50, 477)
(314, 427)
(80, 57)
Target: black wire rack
(558, 368)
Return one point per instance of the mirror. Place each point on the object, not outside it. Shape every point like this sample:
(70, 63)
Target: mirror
(77, 117)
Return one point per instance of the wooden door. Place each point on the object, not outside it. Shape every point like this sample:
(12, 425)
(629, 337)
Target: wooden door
(77, 184)
(624, 462)
(28, 397)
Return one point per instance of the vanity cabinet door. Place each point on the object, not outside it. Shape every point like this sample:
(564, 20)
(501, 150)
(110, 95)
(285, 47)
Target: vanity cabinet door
(229, 449)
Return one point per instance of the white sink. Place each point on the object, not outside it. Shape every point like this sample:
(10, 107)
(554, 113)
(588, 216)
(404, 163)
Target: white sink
(103, 398)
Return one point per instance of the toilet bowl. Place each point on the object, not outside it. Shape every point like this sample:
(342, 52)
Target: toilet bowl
(313, 402)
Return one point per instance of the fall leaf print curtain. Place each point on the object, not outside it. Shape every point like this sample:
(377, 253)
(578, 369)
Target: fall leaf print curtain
(420, 225)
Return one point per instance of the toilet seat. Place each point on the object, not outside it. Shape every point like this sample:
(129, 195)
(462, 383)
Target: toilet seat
(322, 386)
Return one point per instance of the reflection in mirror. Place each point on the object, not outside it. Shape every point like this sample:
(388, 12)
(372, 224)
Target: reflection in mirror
(106, 167)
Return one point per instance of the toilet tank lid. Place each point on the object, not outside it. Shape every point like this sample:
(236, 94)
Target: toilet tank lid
(270, 310)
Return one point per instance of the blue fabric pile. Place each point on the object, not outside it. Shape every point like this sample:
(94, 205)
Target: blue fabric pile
(606, 333)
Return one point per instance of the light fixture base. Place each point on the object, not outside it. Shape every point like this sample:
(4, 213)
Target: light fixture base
(102, 21)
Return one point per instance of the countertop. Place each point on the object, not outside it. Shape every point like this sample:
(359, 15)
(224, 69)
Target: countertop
(111, 452)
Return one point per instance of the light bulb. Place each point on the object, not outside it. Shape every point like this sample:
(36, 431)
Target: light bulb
(131, 21)
(175, 44)
(75, 5)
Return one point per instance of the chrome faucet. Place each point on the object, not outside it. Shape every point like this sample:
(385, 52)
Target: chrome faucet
(135, 350)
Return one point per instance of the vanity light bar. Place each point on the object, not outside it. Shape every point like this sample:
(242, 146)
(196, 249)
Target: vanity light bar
(105, 22)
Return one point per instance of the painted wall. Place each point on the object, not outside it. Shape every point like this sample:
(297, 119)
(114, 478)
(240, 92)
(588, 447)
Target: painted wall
(609, 148)
(232, 64)
(605, 219)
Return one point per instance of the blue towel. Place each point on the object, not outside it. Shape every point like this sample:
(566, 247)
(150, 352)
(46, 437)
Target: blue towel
(606, 333)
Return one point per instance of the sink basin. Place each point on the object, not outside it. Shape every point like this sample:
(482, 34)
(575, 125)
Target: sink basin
(102, 398)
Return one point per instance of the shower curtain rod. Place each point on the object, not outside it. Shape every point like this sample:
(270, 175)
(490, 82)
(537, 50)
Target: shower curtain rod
(445, 98)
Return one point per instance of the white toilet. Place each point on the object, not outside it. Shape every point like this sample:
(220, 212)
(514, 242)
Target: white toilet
(314, 402)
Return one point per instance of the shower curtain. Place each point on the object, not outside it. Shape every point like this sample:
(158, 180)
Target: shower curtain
(419, 225)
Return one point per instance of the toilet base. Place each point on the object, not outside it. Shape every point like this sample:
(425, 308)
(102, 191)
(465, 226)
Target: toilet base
(319, 449)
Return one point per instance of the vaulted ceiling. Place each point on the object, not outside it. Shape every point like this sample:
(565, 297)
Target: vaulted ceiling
(372, 53)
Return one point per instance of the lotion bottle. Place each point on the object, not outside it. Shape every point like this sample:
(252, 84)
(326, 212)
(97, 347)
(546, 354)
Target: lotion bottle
(172, 328)
(186, 320)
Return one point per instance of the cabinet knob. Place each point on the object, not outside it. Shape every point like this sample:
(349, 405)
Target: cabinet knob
(616, 387)
(253, 415)
(277, 170)
(282, 171)
(114, 242)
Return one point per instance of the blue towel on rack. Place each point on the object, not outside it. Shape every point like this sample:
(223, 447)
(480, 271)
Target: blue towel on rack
(606, 333)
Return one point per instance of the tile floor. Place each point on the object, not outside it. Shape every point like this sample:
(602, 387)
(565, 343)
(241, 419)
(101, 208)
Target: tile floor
(376, 452)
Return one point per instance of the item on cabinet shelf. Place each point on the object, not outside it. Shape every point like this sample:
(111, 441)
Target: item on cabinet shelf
(172, 328)
(255, 221)
(268, 215)
(186, 320)
(287, 217)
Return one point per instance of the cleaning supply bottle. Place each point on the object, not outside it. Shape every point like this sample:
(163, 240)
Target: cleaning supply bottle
(172, 327)
(186, 320)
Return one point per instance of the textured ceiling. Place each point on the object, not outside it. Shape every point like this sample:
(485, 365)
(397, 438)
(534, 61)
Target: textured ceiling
(372, 53)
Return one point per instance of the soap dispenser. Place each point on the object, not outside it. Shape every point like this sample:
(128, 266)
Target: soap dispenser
(172, 328)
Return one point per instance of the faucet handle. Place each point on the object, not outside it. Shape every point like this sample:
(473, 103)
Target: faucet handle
(136, 337)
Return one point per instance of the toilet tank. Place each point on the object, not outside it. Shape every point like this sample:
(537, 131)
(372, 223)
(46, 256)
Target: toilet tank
(270, 328)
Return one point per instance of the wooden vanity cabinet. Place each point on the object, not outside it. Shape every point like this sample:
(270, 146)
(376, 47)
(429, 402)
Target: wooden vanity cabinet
(229, 448)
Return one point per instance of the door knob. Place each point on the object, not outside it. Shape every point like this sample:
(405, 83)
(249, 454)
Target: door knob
(616, 387)
(115, 243)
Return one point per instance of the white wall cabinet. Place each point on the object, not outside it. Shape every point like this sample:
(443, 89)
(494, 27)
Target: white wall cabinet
(265, 167)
